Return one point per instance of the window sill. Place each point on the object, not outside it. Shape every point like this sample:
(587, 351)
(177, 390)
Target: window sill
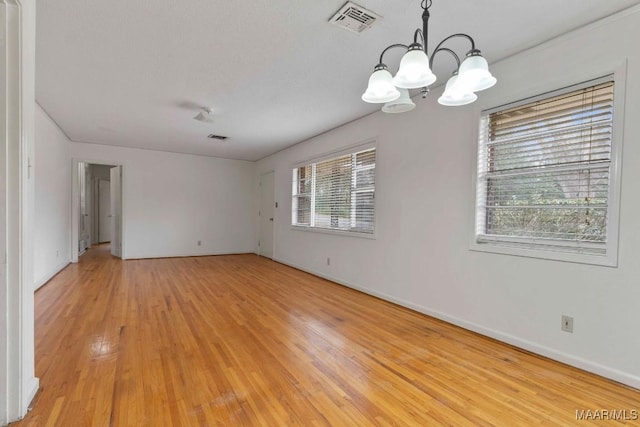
(580, 258)
(344, 233)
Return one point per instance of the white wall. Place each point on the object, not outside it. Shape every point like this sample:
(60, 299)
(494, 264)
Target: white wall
(52, 173)
(424, 215)
(171, 201)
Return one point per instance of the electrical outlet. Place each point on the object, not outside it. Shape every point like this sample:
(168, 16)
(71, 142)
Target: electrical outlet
(567, 323)
(199, 242)
(328, 261)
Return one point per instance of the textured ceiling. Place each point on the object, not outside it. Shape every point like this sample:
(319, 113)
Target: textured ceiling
(134, 73)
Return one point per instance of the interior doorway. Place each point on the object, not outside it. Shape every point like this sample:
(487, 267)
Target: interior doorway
(97, 207)
(100, 179)
(103, 208)
(267, 206)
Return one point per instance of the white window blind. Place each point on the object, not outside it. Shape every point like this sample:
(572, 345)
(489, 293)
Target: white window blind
(544, 172)
(336, 194)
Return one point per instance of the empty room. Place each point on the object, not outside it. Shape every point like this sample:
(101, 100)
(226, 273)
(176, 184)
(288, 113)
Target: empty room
(368, 213)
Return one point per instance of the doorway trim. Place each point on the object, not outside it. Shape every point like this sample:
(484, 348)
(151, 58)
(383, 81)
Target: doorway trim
(272, 213)
(75, 203)
(18, 383)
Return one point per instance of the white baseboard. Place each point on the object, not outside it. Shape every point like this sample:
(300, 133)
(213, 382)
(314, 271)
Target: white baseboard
(57, 269)
(32, 389)
(185, 255)
(569, 359)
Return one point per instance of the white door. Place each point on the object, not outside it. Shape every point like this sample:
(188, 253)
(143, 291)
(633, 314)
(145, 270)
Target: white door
(5, 299)
(116, 211)
(83, 214)
(95, 210)
(104, 211)
(267, 205)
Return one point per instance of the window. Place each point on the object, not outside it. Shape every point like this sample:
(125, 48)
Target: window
(336, 194)
(545, 179)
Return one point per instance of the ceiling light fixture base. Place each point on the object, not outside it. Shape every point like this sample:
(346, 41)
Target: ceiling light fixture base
(205, 115)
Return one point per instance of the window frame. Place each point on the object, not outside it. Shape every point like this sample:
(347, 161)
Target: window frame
(537, 248)
(349, 150)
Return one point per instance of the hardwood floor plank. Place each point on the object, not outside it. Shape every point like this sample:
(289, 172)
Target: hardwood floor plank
(244, 341)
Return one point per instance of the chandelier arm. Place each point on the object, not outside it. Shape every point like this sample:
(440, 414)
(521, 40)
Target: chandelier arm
(466, 36)
(444, 49)
(393, 46)
(415, 35)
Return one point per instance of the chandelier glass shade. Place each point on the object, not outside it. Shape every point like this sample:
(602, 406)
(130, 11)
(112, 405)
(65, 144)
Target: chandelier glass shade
(456, 94)
(400, 105)
(470, 76)
(381, 88)
(474, 74)
(414, 71)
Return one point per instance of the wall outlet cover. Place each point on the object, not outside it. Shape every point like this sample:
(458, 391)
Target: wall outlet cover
(567, 323)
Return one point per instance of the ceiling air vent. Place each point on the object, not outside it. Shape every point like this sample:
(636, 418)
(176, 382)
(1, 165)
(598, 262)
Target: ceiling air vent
(354, 18)
(219, 137)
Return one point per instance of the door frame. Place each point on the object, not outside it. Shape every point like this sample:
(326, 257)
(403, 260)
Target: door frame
(18, 383)
(87, 206)
(273, 242)
(115, 184)
(75, 202)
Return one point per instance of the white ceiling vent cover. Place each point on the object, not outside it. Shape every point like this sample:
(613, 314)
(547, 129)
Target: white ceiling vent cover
(354, 18)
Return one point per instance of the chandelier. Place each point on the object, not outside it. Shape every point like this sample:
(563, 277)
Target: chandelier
(470, 76)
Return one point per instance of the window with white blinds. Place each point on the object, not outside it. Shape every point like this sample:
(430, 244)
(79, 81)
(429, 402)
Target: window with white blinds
(544, 172)
(336, 193)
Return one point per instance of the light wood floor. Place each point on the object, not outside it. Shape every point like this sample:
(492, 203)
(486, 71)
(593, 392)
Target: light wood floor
(241, 340)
